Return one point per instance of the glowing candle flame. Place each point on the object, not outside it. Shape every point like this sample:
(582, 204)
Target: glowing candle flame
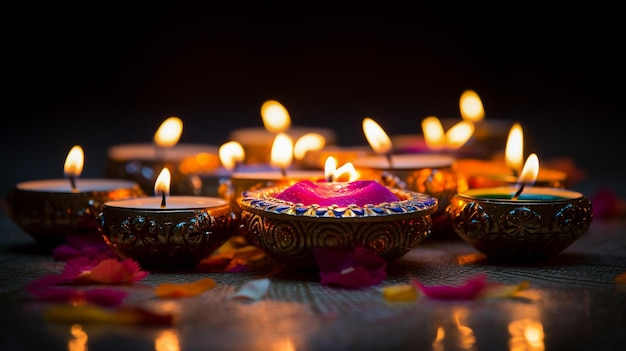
(230, 153)
(529, 174)
(169, 132)
(74, 162)
(437, 139)
(162, 184)
(376, 136)
(514, 152)
(471, 106)
(530, 170)
(347, 170)
(275, 116)
(330, 166)
(459, 134)
(308, 142)
(434, 135)
(332, 173)
(282, 151)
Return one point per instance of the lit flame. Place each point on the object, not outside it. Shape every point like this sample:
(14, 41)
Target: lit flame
(275, 116)
(376, 136)
(282, 151)
(230, 153)
(454, 138)
(434, 135)
(333, 174)
(514, 152)
(308, 142)
(162, 183)
(459, 134)
(167, 341)
(330, 166)
(169, 132)
(79, 338)
(471, 106)
(530, 170)
(74, 162)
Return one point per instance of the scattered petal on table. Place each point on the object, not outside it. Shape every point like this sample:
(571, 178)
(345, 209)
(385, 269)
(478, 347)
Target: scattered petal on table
(170, 290)
(498, 290)
(252, 290)
(400, 293)
(109, 271)
(469, 290)
(350, 268)
(100, 297)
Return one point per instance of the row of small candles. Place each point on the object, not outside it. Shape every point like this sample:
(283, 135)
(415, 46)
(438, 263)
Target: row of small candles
(436, 170)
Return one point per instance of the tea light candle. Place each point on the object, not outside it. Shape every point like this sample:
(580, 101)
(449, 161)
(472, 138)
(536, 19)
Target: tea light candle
(141, 162)
(257, 141)
(166, 231)
(491, 173)
(50, 209)
(520, 222)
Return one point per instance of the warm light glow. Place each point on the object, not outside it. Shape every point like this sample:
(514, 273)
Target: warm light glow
(282, 151)
(459, 134)
(376, 136)
(530, 170)
(471, 106)
(230, 153)
(434, 135)
(162, 183)
(526, 335)
(345, 173)
(74, 162)
(514, 152)
(169, 132)
(330, 166)
(167, 341)
(79, 338)
(275, 116)
(308, 142)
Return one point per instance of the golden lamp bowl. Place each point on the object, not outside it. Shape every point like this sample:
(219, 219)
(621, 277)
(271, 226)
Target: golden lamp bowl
(540, 224)
(48, 216)
(290, 232)
(159, 239)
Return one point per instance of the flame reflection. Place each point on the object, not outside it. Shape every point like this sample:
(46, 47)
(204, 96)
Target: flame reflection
(79, 338)
(526, 335)
(167, 341)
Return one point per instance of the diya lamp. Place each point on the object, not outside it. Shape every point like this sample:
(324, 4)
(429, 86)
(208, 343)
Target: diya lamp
(164, 231)
(520, 222)
(257, 142)
(290, 221)
(431, 173)
(142, 162)
(497, 172)
(50, 209)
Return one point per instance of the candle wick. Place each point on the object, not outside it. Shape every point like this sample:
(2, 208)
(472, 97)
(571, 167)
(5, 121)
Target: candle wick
(283, 172)
(518, 192)
(329, 178)
(388, 156)
(163, 199)
(72, 183)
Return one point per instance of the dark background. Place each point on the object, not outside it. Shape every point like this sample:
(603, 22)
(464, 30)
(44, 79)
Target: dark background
(99, 74)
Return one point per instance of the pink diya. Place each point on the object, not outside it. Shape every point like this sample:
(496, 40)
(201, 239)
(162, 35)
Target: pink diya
(289, 222)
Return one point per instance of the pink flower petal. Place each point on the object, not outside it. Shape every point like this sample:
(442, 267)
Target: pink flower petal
(99, 270)
(82, 245)
(468, 290)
